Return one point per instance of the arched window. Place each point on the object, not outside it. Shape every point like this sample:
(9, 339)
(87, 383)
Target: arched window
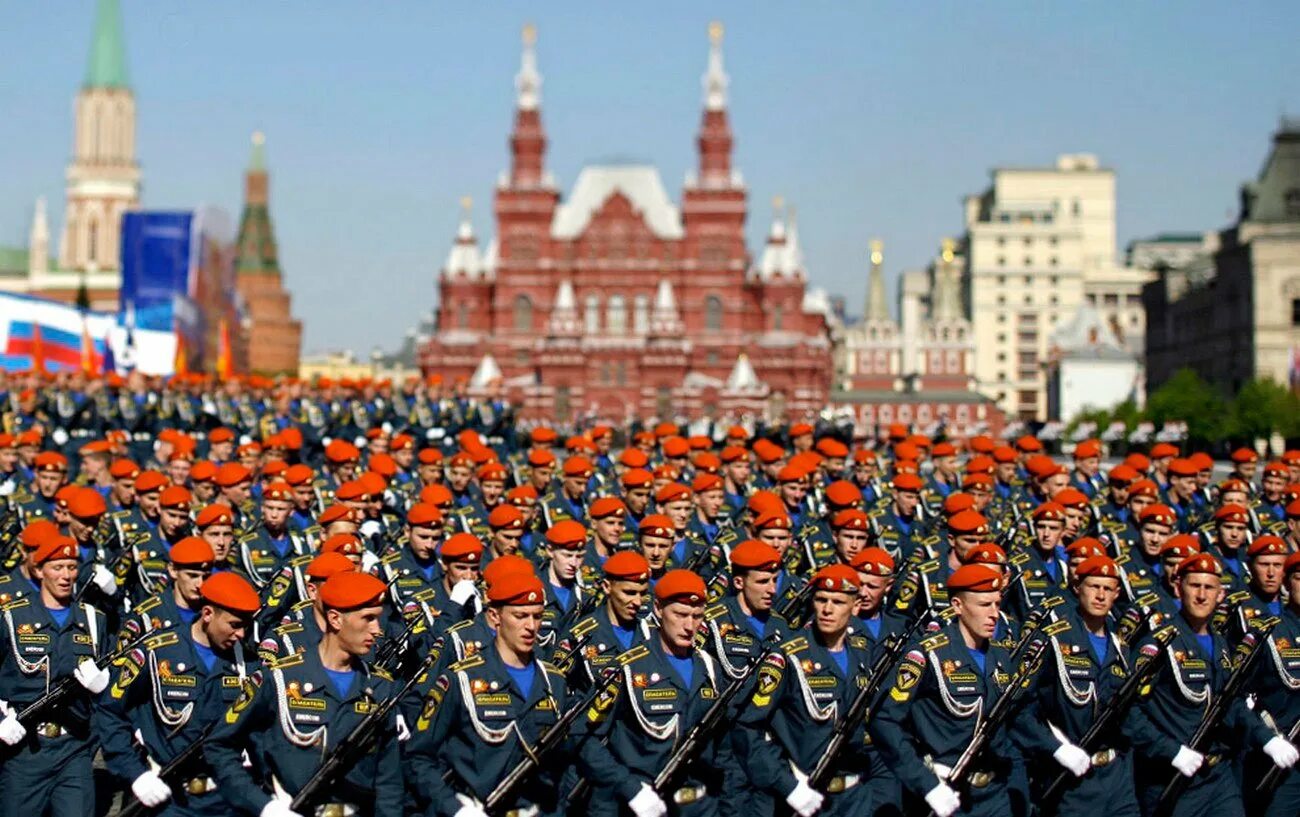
(641, 314)
(616, 315)
(523, 313)
(591, 314)
(713, 313)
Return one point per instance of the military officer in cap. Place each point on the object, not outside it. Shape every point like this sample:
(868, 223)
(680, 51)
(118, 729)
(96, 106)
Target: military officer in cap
(215, 524)
(1262, 598)
(613, 628)
(485, 713)
(665, 686)
(570, 501)
(190, 563)
(266, 549)
(567, 599)
(172, 689)
(302, 706)
(234, 490)
(22, 580)
(1044, 565)
(49, 474)
(743, 623)
(473, 635)
(1086, 664)
(304, 625)
(896, 521)
(1275, 683)
(507, 526)
(1194, 667)
(45, 762)
(940, 690)
(608, 536)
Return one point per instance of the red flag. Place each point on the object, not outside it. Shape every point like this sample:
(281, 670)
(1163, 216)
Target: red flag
(87, 351)
(182, 364)
(225, 361)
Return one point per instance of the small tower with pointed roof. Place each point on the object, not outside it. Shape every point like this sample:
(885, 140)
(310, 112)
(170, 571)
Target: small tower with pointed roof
(103, 178)
(873, 347)
(274, 336)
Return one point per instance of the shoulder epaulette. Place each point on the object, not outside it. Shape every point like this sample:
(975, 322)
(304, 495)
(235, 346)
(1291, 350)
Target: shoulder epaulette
(794, 645)
(15, 604)
(1019, 559)
(468, 662)
(1237, 597)
(858, 642)
(380, 672)
(1147, 600)
(288, 628)
(551, 668)
(460, 625)
(934, 642)
(287, 661)
(163, 639)
(933, 539)
(1057, 627)
(639, 651)
(1049, 602)
(584, 626)
(247, 536)
(302, 561)
(147, 605)
(714, 611)
(928, 567)
(1166, 633)
(389, 558)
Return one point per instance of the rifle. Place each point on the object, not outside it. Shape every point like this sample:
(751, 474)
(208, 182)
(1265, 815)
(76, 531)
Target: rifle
(984, 730)
(795, 606)
(546, 743)
(356, 744)
(1274, 777)
(1214, 715)
(857, 711)
(388, 655)
(183, 760)
(1113, 712)
(68, 683)
(704, 729)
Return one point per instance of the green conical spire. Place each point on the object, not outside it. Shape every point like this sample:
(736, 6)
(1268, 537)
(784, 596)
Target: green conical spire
(257, 158)
(107, 66)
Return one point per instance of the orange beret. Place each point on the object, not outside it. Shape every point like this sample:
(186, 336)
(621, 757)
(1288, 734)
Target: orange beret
(1041, 466)
(628, 566)
(969, 523)
(351, 590)
(1159, 514)
(492, 472)
(523, 496)
(1232, 513)
(436, 494)
(839, 578)
(1029, 444)
(274, 468)
(577, 467)
(910, 483)
(734, 453)
(676, 447)
(346, 543)
(230, 591)
(980, 464)
(706, 482)
(1123, 474)
(335, 513)
(842, 494)
(977, 479)
(1181, 467)
(680, 586)
(87, 503)
(539, 457)
(1198, 563)
(832, 448)
(792, 472)
(203, 471)
(752, 554)
(955, 503)
(1180, 545)
(975, 578)
(503, 566)
(1138, 462)
(567, 535)
(1292, 563)
(1071, 498)
(874, 562)
(606, 506)
(1293, 509)
(1202, 461)
(424, 515)
(429, 456)
(221, 435)
(50, 461)
(125, 469)
(354, 490)
(982, 444)
(1085, 547)
(150, 481)
(1242, 455)
(636, 478)
(1049, 511)
(673, 492)
(768, 452)
(1161, 450)
(1004, 454)
(773, 520)
(382, 464)
(298, 474)
(1101, 565)
(215, 514)
(1277, 468)
(54, 548)
(461, 547)
(1143, 487)
(800, 429)
(327, 564)
(851, 519)
(231, 474)
(656, 524)
(1087, 449)
(543, 434)
(516, 589)
(1267, 545)
(191, 551)
(37, 532)
(633, 458)
(374, 483)
(175, 496)
(505, 517)
(944, 449)
(341, 451)
(986, 554)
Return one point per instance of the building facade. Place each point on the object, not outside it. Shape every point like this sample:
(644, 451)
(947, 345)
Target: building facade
(1039, 243)
(274, 336)
(1233, 313)
(616, 301)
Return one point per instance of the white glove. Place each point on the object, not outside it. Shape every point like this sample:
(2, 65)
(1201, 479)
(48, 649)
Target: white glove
(647, 803)
(943, 800)
(150, 789)
(104, 580)
(463, 590)
(403, 731)
(468, 808)
(90, 676)
(1073, 758)
(370, 529)
(1188, 761)
(278, 807)
(805, 800)
(59, 436)
(1284, 755)
(368, 561)
(11, 731)
(360, 441)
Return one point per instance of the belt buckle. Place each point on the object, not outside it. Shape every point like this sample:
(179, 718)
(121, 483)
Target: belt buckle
(331, 810)
(686, 795)
(981, 779)
(836, 785)
(1102, 757)
(196, 786)
(49, 730)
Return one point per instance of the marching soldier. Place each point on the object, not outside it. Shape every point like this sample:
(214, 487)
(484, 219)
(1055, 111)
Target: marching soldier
(596, 640)
(178, 603)
(171, 691)
(744, 621)
(304, 626)
(1275, 683)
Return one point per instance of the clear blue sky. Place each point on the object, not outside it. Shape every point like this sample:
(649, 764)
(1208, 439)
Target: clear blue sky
(873, 119)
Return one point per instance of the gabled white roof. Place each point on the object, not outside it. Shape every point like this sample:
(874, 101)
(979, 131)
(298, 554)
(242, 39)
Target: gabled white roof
(641, 185)
(487, 371)
(743, 377)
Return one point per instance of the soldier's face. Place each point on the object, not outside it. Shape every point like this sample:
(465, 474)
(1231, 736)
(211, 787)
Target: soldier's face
(1293, 588)
(1201, 593)
(637, 498)
(849, 543)
(678, 624)
(625, 598)
(575, 485)
(945, 465)
(237, 495)
(173, 522)
(1266, 573)
(516, 625)
(492, 491)
(506, 540)
(204, 491)
(57, 578)
(757, 588)
(1006, 472)
(566, 562)
(149, 503)
(1118, 493)
(424, 541)
(872, 593)
(540, 476)
(1088, 466)
(982, 495)
(404, 457)
(1097, 594)
(220, 452)
(832, 611)
(460, 571)
(1153, 537)
(1137, 503)
(275, 513)
(655, 549)
(1247, 469)
(1273, 484)
(779, 538)
(964, 543)
(1232, 534)
(303, 496)
(357, 630)
(793, 492)
(978, 612)
(1235, 498)
(186, 581)
(429, 473)
(739, 471)
(1054, 483)
(1183, 487)
(1075, 520)
(609, 529)
(8, 459)
(864, 471)
(178, 471)
(48, 483)
(906, 502)
(679, 510)
(710, 503)
(221, 537)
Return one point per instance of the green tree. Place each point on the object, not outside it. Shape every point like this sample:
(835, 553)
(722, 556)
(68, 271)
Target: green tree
(1263, 407)
(1188, 398)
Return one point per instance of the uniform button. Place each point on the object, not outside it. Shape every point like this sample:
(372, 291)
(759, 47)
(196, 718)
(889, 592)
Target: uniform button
(494, 685)
(180, 667)
(600, 647)
(654, 676)
(167, 624)
(307, 687)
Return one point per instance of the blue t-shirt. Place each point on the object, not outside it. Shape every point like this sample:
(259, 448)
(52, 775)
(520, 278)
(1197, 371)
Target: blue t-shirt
(1207, 645)
(873, 624)
(841, 658)
(187, 615)
(1100, 646)
(684, 667)
(978, 656)
(427, 569)
(679, 551)
(60, 615)
(1053, 568)
(206, 655)
(342, 680)
(759, 625)
(625, 635)
(281, 545)
(564, 595)
(1274, 607)
(523, 677)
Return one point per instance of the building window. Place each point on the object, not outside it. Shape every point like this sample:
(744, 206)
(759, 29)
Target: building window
(1002, 357)
(462, 315)
(778, 318)
(92, 242)
(1052, 241)
(605, 372)
(1053, 300)
(1029, 241)
(1027, 358)
(1110, 299)
(591, 314)
(1002, 280)
(1002, 300)
(1001, 241)
(713, 313)
(954, 362)
(1002, 317)
(1054, 280)
(1029, 299)
(616, 315)
(1002, 260)
(711, 359)
(1052, 261)
(1002, 337)
(1027, 397)
(523, 313)
(1292, 204)
(641, 314)
(664, 402)
(1077, 208)
(620, 373)
(562, 403)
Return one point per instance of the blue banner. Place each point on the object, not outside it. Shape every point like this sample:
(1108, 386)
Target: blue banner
(156, 264)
